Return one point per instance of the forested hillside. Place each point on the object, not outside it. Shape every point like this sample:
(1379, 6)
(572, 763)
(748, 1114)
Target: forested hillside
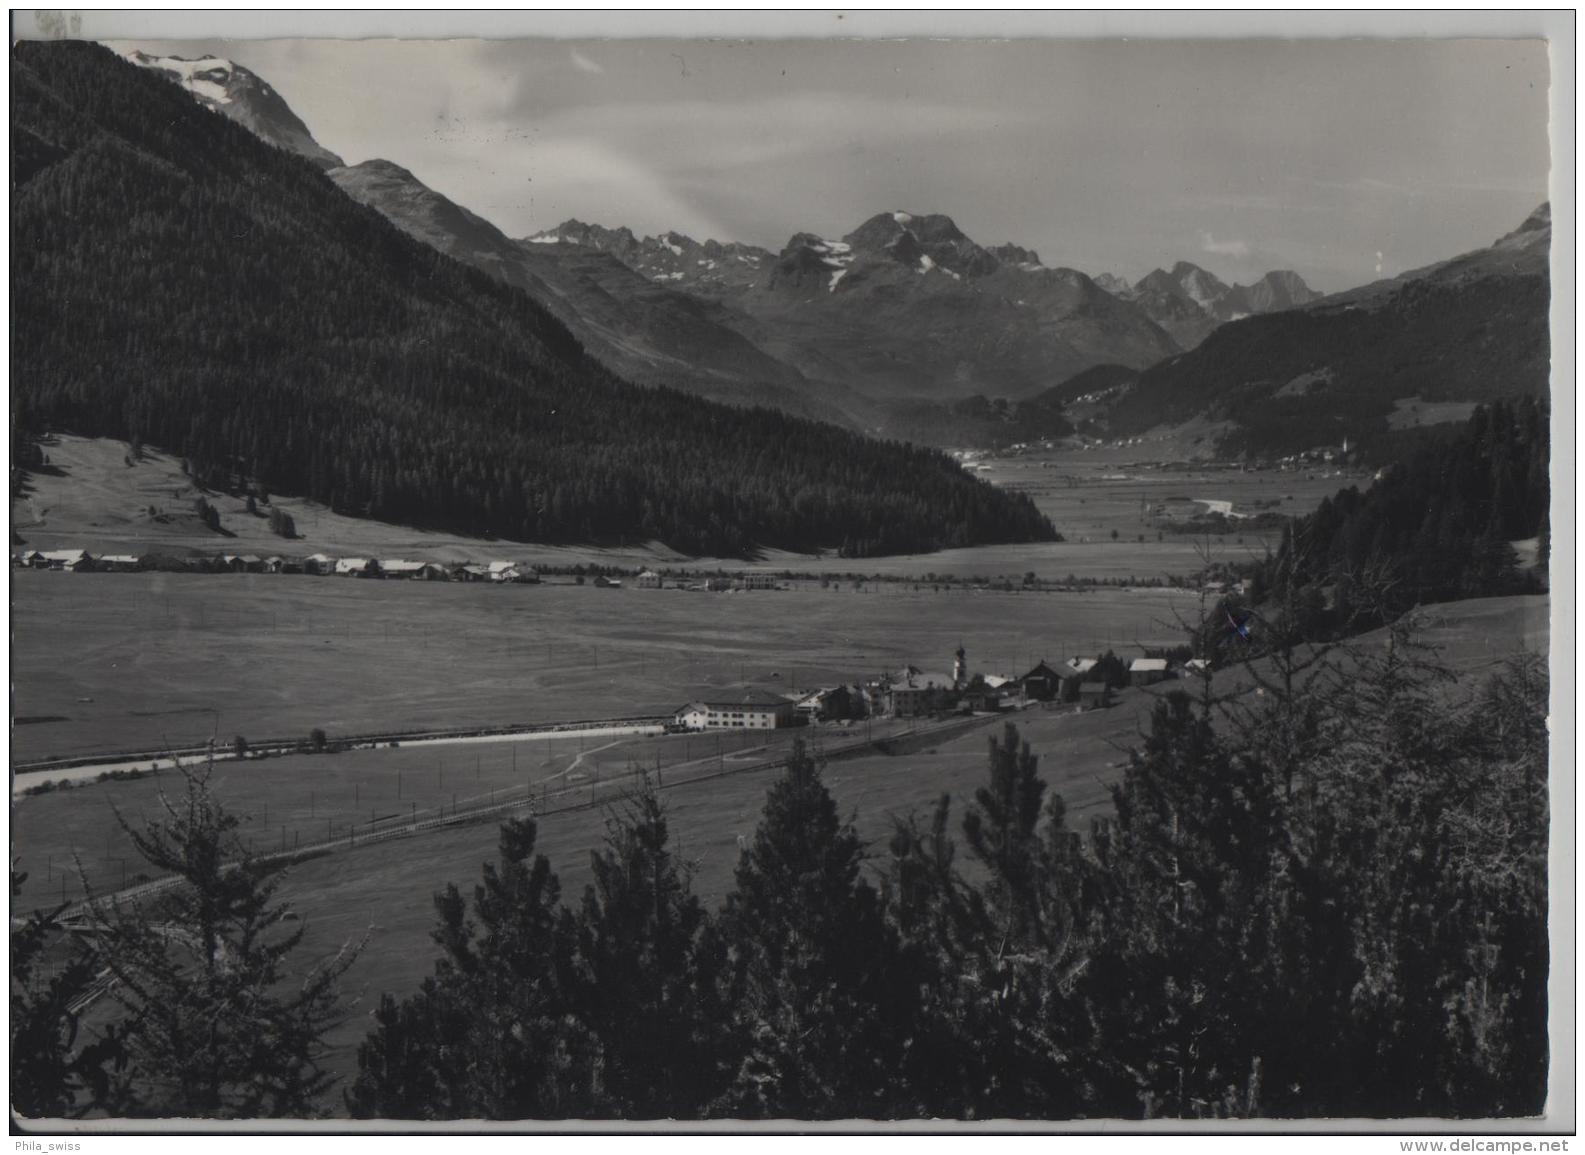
(1471, 329)
(178, 282)
(1435, 527)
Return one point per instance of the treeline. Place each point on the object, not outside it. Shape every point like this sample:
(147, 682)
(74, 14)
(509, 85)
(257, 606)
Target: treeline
(1326, 901)
(180, 283)
(1435, 527)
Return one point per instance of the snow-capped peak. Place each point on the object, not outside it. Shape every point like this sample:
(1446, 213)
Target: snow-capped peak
(242, 96)
(206, 77)
(902, 218)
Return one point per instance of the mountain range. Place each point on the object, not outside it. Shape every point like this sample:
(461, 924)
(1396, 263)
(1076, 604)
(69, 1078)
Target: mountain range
(904, 325)
(1190, 302)
(1467, 330)
(885, 329)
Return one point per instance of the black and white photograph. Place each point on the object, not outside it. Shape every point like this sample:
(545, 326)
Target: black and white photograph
(732, 571)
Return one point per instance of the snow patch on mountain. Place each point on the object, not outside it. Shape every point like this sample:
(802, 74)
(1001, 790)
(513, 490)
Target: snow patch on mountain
(205, 77)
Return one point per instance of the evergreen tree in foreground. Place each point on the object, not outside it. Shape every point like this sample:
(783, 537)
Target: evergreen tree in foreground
(646, 966)
(819, 1022)
(211, 1024)
(491, 1034)
(52, 1076)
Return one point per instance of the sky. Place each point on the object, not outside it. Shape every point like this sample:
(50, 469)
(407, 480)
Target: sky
(1341, 159)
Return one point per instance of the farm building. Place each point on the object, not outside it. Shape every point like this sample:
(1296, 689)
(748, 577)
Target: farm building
(742, 710)
(319, 563)
(649, 580)
(1045, 683)
(717, 584)
(513, 573)
(118, 563)
(832, 703)
(1195, 668)
(293, 565)
(357, 567)
(988, 692)
(756, 580)
(422, 571)
(76, 560)
(921, 694)
(1095, 695)
(1146, 671)
(275, 563)
(605, 583)
(470, 573)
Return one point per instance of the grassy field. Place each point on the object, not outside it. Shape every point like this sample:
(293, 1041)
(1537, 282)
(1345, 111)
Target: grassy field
(135, 661)
(383, 890)
(91, 498)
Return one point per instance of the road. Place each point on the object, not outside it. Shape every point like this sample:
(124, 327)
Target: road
(22, 780)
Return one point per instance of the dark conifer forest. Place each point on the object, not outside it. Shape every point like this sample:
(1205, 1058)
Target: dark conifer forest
(176, 281)
(1435, 526)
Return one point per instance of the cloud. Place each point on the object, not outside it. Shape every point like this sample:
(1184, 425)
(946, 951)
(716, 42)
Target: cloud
(1210, 244)
(583, 64)
(1378, 262)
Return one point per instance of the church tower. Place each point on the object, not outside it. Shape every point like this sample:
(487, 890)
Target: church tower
(960, 669)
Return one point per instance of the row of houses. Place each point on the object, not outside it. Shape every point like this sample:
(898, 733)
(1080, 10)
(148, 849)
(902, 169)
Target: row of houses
(1075, 680)
(650, 580)
(910, 692)
(319, 564)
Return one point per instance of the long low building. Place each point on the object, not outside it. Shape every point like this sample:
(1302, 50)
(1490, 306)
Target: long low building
(738, 710)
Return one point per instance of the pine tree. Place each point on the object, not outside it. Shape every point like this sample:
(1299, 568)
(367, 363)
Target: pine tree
(199, 973)
(492, 1034)
(646, 972)
(818, 1027)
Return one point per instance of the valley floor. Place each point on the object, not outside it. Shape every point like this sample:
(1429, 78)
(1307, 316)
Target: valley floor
(291, 678)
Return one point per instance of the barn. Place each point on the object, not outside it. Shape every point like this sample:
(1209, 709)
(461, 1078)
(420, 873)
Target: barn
(1146, 671)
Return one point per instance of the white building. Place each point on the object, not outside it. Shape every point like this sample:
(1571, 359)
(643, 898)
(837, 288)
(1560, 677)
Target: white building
(1144, 671)
(740, 710)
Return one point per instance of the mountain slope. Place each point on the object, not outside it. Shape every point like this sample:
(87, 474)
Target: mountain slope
(177, 281)
(243, 96)
(1471, 329)
(640, 330)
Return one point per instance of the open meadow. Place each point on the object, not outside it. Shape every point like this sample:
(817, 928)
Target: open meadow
(112, 662)
(383, 890)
